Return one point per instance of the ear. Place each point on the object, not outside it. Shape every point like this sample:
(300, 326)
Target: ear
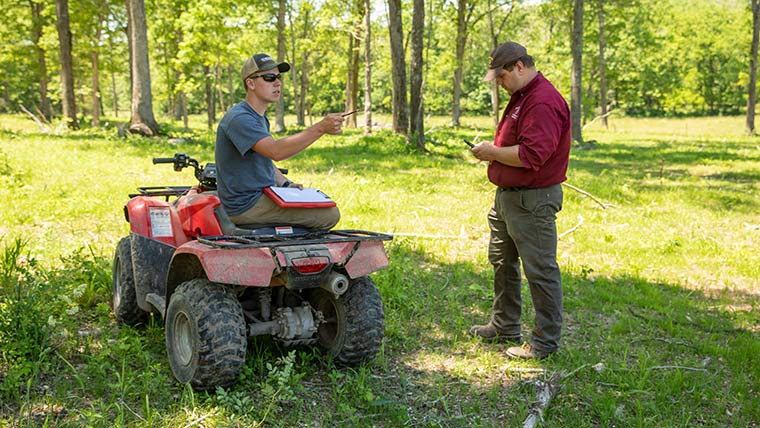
(250, 83)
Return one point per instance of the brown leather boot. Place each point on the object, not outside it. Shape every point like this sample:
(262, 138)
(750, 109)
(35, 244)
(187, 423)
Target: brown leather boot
(489, 333)
(527, 352)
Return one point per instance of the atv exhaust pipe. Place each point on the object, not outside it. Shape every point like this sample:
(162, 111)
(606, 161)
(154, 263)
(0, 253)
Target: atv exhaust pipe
(336, 284)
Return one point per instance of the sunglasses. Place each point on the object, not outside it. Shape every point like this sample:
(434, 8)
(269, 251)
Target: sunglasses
(269, 77)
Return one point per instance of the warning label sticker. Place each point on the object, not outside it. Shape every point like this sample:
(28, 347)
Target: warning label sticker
(160, 223)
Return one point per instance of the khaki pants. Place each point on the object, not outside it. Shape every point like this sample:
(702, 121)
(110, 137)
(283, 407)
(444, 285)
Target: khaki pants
(267, 213)
(522, 223)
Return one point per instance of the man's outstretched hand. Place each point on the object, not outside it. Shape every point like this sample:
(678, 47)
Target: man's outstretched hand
(331, 124)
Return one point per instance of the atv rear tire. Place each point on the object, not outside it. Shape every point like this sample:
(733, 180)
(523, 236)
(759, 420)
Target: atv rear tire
(205, 334)
(124, 297)
(354, 324)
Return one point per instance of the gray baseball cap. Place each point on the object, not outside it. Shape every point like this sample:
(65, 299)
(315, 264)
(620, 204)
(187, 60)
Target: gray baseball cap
(262, 62)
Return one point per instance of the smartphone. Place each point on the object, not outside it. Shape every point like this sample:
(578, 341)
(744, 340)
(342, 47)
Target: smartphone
(469, 143)
(349, 113)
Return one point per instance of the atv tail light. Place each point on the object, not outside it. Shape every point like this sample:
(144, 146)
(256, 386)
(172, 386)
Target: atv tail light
(310, 265)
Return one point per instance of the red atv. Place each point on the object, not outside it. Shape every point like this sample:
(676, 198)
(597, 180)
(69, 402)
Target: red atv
(215, 283)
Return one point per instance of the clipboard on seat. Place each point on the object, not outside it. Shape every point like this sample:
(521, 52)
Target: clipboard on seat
(293, 197)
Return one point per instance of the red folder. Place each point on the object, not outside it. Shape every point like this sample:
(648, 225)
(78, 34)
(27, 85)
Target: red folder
(293, 197)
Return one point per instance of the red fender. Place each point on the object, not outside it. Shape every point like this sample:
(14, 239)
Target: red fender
(368, 258)
(241, 266)
(196, 210)
(155, 219)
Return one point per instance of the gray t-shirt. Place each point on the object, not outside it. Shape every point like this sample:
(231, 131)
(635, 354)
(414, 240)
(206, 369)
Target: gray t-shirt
(241, 172)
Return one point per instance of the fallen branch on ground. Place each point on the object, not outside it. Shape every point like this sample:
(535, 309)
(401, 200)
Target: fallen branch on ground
(39, 123)
(572, 229)
(601, 116)
(583, 192)
(546, 391)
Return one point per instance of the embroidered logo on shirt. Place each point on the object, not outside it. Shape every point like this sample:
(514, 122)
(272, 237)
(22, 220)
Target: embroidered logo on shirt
(516, 113)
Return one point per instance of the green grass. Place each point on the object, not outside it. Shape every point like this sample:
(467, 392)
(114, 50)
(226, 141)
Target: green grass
(661, 288)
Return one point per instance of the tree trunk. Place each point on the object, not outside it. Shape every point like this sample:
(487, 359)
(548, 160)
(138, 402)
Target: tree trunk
(218, 82)
(368, 67)
(209, 95)
(352, 80)
(304, 86)
(183, 101)
(398, 68)
(602, 68)
(280, 110)
(115, 100)
(67, 69)
(95, 81)
(461, 40)
(577, 73)
(415, 76)
(752, 89)
(142, 121)
(37, 26)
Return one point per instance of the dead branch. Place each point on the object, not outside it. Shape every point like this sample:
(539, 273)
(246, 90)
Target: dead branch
(572, 229)
(546, 391)
(42, 115)
(601, 116)
(524, 369)
(42, 126)
(583, 192)
(692, 369)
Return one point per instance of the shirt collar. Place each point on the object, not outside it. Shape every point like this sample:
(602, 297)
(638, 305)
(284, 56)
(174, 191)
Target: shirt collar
(538, 78)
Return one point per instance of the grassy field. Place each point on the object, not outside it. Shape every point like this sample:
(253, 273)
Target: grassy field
(661, 275)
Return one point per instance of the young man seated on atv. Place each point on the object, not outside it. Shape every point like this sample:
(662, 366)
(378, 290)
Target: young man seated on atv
(245, 151)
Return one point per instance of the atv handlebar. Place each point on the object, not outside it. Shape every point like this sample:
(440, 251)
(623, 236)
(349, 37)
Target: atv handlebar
(163, 160)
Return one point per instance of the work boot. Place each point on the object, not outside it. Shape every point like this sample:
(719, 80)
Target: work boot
(527, 352)
(489, 333)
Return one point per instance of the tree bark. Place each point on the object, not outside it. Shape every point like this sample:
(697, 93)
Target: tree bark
(280, 110)
(461, 41)
(352, 79)
(37, 26)
(115, 104)
(398, 68)
(210, 102)
(415, 76)
(368, 67)
(95, 80)
(752, 89)
(576, 90)
(602, 68)
(142, 122)
(67, 69)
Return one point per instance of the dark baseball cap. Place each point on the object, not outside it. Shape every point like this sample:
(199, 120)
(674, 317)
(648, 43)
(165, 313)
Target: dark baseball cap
(505, 53)
(262, 62)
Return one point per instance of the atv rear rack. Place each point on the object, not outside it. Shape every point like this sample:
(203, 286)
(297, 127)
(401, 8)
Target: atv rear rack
(323, 237)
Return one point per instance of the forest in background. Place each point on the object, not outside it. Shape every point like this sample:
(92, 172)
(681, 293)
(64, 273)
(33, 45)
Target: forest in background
(660, 58)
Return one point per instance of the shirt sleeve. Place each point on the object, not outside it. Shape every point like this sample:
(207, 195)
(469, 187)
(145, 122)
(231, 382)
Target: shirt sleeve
(244, 131)
(539, 135)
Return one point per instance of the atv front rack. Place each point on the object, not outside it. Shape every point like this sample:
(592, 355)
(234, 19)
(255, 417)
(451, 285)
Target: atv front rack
(165, 191)
(321, 237)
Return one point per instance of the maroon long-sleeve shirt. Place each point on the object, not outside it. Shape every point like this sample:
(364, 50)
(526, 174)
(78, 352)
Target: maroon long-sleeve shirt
(538, 118)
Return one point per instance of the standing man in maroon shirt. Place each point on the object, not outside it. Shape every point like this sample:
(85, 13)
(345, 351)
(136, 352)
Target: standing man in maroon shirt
(527, 161)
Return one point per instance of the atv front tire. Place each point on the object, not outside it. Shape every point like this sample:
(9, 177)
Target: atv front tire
(354, 323)
(124, 297)
(205, 334)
